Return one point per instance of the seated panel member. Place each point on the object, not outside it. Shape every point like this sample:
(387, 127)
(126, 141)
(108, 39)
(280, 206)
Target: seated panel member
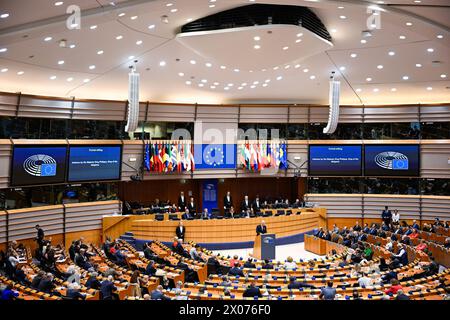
(227, 202)
(206, 215)
(261, 228)
(180, 231)
(192, 208)
(182, 202)
(231, 213)
(187, 215)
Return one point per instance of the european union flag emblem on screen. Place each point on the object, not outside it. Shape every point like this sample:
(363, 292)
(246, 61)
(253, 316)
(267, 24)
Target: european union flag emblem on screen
(400, 164)
(48, 170)
(215, 156)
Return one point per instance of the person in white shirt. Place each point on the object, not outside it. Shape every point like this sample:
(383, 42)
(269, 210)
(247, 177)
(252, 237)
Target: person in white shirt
(389, 245)
(364, 281)
(396, 217)
(290, 264)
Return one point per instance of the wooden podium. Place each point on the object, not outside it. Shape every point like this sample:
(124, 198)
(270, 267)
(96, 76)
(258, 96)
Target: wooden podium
(315, 245)
(264, 247)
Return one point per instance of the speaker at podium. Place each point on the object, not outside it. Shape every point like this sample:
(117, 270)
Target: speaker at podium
(264, 247)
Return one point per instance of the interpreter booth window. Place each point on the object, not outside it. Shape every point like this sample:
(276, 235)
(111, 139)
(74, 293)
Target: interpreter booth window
(96, 129)
(344, 131)
(164, 130)
(298, 131)
(33, 128)
(436, 130)
(435, 187)
(384, 131)
(334, 185)
(404, 186)
(263, 131)
(50, 195)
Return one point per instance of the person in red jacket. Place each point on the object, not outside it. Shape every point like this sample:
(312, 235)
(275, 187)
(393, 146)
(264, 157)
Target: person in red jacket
(395, 286)
(414, 234)
(421, 246)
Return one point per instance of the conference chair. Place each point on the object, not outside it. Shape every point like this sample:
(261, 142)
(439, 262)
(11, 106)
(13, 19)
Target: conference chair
(159, 217)
(173, 217)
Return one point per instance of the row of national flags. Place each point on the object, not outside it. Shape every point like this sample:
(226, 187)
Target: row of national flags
(169, 157)
(259, 156)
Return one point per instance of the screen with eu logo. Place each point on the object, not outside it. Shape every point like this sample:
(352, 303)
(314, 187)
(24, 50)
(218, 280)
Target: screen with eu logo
(392, 160)
(215, 156)
(38, 165)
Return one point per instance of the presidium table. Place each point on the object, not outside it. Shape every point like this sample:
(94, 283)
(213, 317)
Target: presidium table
(219, 233)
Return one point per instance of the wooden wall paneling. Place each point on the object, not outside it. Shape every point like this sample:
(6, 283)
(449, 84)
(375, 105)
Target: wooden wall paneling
(22, 221)
(377, 114)
(338, 205)
(131, 150)
(3, 227)
(264, 114)
(5, 162)
(435, 113)
(171, 112)
(218, 114)
(407, 206)
(435, 207)
(99, 110)
(298, 149)
(39, 107)
(350, 114)
(434, 159)
(92, 236)
(319, 114)
(298, 114)
(8, 104)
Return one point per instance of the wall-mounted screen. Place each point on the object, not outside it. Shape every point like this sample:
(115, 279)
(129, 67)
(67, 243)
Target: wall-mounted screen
(335, 160)
(392, 160)
(38, 165)
(94, 163)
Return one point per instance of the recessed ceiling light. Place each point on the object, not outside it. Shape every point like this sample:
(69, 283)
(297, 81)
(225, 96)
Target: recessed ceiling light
(133, 17)
(402, 37)
(139, 42)
(376, 90)
(69, 79)
(60, 62)
(86, 80)
(305, 70)
(265, 85)
(20, 73)
(417, 1)
(169, 4)
(257, 38)
(92, 67)
(405, 78)
(131, 57)
(439, 36)
(4, 70)
(298, 40)
(240, 88)
(152, 26)
(418, 65)
(201, 85)
(223, 67)
(394, 89)
(119, 37)
(358, 90)
(333, 30)
(252, 87)
(368, 79)
(312, 77)
(342, 68)
(93, 27)
(58, 3)
(100, 52)
(204, 81)
(297, 66)
(188, 83)
(3, 50)
(121, 14)
(216, 83)
(353, 55)
(443, 76)
(279, 78)
(47, 39)
(429, 88)
(380, 66)
(236, 70)
(208, 65)
(391, 53)
(276, 68)
(162, 63)
(181, 74)
(299, 35)
(430, 50)
(72, 46)
(267, 81)
(409, 24)
(285, 48)
(287, 67)
(257, 46)
(363, 41)
(193, 62)
(256, 82)
(343, 17)
(52, 77)
(4, 15)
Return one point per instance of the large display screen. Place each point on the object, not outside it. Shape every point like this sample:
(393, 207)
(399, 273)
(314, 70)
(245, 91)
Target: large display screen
(38, 165)
(335, 160)
(392, 160)
(94, 163)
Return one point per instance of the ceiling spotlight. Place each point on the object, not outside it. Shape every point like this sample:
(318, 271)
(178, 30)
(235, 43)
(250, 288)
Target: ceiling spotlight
(100, 52)
(181, 74)
(405, 78)
(162, 64)
(429, 88)
(343, 17)
(380, 67)
(209, 65)
(152, 26)
(4, 15)
(368, 79)
(47, 39)
(418, 65)
(439, 36)
(58, 3)
(61, 62)
(353, 55)
(402, 37)
(193, 62)
(86, 80)
(3, 50)
(391, 53)
(20, 73)
(443, 76)
(257, 47)
(4, 70)
(52, 77)
(92, 67)
(430, 50)
(394, 89)
(93, 27)
(165, 19)
(257, 38)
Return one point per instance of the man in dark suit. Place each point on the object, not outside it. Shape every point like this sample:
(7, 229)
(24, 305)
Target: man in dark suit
(150, 270)
(249, 264)
(252, 291)
(192, 208)
(261, 228)
(180, 231)
(182, 202)
(245, 205)
(256, 205)
(386, 215)
(214, 262)
(46, 285)
(40, 236)
(227, 202)
(158, 294)
(187, 215)
(236, 271)
(294, 284)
